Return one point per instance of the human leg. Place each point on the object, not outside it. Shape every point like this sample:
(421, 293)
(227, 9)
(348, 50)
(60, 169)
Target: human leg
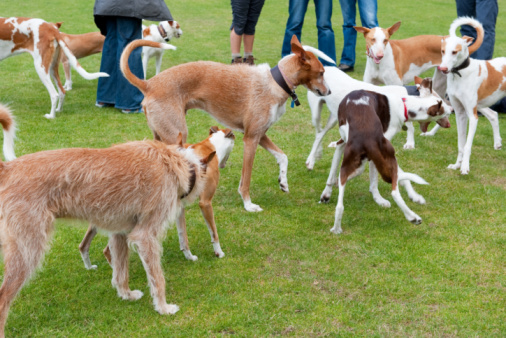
(296, 13)
(349, 11)
(106, 88)
(326, 38)
(486, 13)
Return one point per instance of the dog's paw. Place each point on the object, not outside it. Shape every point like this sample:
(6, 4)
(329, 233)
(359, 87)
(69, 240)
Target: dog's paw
(251, 207)
(498, 145)
(336, 230)
(188, 255)
(49, 116)
(416, 220)
(217, 250)
(283, 184)
(167, 309)
(382, 202)
(417, 198)
(454, 166)
(131, 295)
(67, 86)
(310, 164)
(91, 267)
(332, 144)
(409, 146)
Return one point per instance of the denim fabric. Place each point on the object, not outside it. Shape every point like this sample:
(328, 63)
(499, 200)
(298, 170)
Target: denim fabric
(116, 89)
(485, 11)
(368, 10)
(326, 40)
(245, 14)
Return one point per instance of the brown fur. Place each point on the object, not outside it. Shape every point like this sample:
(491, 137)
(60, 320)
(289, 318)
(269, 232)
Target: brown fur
(129, 190)
(492, 82)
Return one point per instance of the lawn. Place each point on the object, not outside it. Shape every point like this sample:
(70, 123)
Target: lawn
(284, 273)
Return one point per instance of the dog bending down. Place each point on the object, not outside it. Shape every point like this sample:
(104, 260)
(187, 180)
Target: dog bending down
(9, 131)
(129, 190)
(362, 139)
(220, 141)
(44, 42)
(256, 102)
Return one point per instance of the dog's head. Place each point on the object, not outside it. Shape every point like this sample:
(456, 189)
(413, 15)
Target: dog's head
(169, 30)
(429, 109)
(376, 40)
(424, 86)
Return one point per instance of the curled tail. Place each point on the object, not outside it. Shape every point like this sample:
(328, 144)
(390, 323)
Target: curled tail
(73, 62)
(411, 177)
(480, 32)
(9, 129)
(123, 63)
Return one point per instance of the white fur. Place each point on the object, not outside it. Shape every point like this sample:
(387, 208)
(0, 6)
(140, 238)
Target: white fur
(319, 53)
(154, 35)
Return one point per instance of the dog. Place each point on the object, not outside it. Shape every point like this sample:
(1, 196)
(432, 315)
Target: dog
(399, 110)
(9, 131)
(244, 98)
(130, 190)
(221, 141)
(81, 45)
(44, 42)
(163, 32)
(471, 85)
(396, 62)
(362, 132)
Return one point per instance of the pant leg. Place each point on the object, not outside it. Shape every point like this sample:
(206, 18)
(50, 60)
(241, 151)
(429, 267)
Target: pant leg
(368, 10)
(296, 13)
(239, 15)
(106, 89)
(326, 38)
(467, 8)
(127, 95)
(254, 10)
(349, 11)
(486, 13)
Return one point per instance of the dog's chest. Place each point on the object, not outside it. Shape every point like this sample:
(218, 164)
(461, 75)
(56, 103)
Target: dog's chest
(276, 112)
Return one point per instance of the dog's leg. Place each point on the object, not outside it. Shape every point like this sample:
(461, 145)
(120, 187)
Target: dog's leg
(46, 81)
(149, 250)
(68, 73)
(183, 237)
(432, 132)
(408, 213)
(410, 139)
(461, 118)
(473, 124)
(412, 194)
(331, 180)
(316, 151)
(206, 207)
(250, 146)
(56, 78)
(158, 62)
(373, 186)
(145, 59)
(316, 106)
(119, 255)
(84, 247)
(493, 118)
(281, 159)
(339, 208)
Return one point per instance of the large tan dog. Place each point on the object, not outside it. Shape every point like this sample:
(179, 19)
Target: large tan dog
(220, 141)
(130, 190)
(243, 98)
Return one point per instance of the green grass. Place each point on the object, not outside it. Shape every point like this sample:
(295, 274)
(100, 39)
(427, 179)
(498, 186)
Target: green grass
(284, 273)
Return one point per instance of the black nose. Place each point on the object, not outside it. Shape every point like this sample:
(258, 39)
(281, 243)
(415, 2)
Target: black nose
(329, 92)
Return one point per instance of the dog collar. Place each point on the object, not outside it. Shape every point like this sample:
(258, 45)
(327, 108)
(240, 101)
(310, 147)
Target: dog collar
(281, 81)
(193, 179)
(405, 109)
(465, 64)
(162, 31)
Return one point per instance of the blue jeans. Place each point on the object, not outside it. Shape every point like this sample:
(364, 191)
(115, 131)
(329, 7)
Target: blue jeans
(326, 40)
(368, 10)
(485, 11)
(116, 89)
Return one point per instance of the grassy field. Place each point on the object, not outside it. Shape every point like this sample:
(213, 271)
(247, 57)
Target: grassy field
(284, 273)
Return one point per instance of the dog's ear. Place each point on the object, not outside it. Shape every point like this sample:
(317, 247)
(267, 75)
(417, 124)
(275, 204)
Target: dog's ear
(440, 108)
(362, 30)
(58, 24)
(424, 126)
(418, 80)
(179, 141)
(229, 134)
(298, 50)
(213, 130)
(469, 40)
(434, 109)
(205, 161)
(394, 28)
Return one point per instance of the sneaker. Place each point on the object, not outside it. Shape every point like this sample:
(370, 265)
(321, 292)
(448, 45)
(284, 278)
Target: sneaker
(345, 68)
(132, 111)
(237, 60)
(250, 60)
(103, 104)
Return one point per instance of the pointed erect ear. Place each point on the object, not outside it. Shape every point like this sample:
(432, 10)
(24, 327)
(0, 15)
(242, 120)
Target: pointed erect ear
(418, 80)
(229, 134)
(213, 130)
(469, 40)
(179, 141)
(362, 30)
(394, 28)
(58, 24)
(298, 50)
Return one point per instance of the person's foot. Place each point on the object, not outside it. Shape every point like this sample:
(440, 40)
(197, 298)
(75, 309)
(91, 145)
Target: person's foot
(237, 60)
(103, 104)
(345, 68)
(132, 111)
(250, 60)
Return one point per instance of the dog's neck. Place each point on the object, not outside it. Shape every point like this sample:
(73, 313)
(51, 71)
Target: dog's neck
(193, 179)
(162, 31)
(285, 83)
(465, 64)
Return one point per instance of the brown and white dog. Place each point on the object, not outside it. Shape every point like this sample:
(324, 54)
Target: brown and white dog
(9, 131)
(81, 45)
(44, 42)
(396, 62)
(220, 141)
(362, 127)
(163, 32)
(130, 190)
(243, 98)
(471, 85)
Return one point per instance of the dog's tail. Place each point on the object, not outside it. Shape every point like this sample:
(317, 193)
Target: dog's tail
(480, 32)
(318, 53)
(411, 177)
(134, 80)
(73, 62)
(9, 129)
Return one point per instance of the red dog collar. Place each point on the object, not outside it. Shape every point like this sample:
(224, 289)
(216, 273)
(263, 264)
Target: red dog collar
(405, 109)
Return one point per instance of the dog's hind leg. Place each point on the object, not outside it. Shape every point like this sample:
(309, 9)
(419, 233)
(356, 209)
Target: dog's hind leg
(281, 159)
(118, 247)
(158, 62)
(412, 194)
(183, 237)
(373, 186)
(206, 207)
(56, 78)
(493, 118)
(410, 140)
(250, 146)
(46, 80)
(331, 180)
(84, 247)
(317, 149)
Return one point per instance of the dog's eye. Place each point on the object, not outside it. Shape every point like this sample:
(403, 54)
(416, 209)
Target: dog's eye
(454, 52)
(373, 40)
(442, 51)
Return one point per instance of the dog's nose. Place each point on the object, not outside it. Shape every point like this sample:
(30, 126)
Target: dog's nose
(443, 69)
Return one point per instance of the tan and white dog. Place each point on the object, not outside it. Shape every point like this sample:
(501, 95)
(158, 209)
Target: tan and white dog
(471, 85)
(163, 32)
(396, 62)
(220, 141)
(131, 190)
(9, 131)
(243, 98)
(44, 42)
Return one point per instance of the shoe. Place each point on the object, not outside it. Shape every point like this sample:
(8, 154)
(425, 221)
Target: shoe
(237, 60)
(132, 111)
(345, 68)
(250, 60)
(103, 104)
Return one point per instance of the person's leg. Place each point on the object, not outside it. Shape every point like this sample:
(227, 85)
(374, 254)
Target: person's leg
(368, 10)
(486, 13)
(326, 38)
(296, 13)
(467, 8)
(239, 17)
(249, 30)
(349, 11)
(106, 88)
(128, 96)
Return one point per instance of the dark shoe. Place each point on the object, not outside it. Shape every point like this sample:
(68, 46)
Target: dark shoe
(345, 68)
(103, 104)
(132, 111)
(237, 60)
(250, 60)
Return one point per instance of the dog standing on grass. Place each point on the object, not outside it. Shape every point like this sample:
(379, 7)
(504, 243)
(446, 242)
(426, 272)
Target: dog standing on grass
(130, 190)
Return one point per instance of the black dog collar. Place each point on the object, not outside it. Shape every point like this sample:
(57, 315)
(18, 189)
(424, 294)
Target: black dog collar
(465, 64)
(280, 80)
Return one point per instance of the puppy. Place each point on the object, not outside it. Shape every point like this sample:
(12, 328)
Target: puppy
(130, 190)
(163, 32)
